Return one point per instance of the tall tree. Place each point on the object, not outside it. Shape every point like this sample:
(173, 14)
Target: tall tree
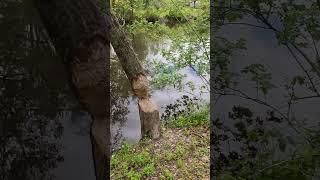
(81, 37)
(148, 110)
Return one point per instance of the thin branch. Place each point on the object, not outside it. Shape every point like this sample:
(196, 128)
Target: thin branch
(205, 81)
(313, 66)
(315, 47)
(302, 67)
(290, 103)
(278, 164)
(245, 96)
(307, 97)
(260, 17)
(246, 24)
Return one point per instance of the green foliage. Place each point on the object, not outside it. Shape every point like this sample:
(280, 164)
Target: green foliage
(125, 159)
(180, 163)
(154, 31)
(132, 175)
(259, 144)
(149, 169)
(191, 119)
(169, 156)
(175, 149)
(182, 55)
(226, 177)
(188, 29)
(148, 159)
(168, 174)
(163, 10)
(186, 112)
(260, 76)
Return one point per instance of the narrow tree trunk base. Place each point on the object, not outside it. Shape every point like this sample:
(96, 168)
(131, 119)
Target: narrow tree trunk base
(100, 160)
(101, 148)
(150, 118)
(149, 114)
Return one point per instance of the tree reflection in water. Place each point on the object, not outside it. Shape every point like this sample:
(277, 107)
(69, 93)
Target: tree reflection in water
(33, 93)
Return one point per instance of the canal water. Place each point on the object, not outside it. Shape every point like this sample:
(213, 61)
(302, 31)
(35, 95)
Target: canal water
(127, 123)
(46, 134)
(262, 48)
(76, 151)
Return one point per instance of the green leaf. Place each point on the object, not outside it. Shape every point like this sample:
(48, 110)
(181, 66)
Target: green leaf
(226, 177)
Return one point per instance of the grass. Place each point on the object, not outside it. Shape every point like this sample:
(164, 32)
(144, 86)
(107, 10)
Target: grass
(191, 119)
(182, 152)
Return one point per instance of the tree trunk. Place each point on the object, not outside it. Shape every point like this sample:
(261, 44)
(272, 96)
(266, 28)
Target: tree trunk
(81, 36)
(149, 114)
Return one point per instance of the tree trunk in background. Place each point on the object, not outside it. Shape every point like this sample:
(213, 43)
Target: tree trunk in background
(148, 110)
(81, 36)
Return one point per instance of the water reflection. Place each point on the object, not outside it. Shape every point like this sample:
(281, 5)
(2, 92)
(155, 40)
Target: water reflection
(262, 48)
(125, 113)
(44, 132)
(256, 128)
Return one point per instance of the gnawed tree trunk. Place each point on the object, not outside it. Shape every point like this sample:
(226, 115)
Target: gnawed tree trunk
(148, 110)
(81, 36)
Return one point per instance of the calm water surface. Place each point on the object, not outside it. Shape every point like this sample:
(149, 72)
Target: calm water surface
(128, 125)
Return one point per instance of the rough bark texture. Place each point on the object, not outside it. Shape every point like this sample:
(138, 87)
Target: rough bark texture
(149, 114)
(149, 118)
(81, 36)
(124, 51)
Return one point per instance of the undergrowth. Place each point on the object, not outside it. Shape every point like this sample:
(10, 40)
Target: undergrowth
(182, 152)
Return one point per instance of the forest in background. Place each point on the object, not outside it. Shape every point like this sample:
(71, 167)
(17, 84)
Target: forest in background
(268, 133)
(178, 33)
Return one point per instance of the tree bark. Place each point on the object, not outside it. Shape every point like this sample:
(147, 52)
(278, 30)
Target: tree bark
(81, 36)
(148, 110)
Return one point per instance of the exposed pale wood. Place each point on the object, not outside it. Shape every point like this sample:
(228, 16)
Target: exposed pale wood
(140, 86)
(149, 118)
(149, 114)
